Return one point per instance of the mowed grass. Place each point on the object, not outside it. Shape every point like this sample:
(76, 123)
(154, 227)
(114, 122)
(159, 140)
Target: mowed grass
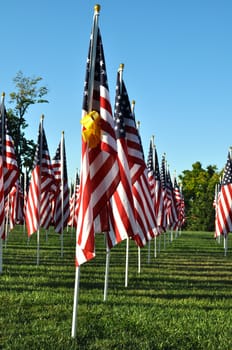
(182, 299)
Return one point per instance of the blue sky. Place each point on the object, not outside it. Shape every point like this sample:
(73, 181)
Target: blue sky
(177, 56)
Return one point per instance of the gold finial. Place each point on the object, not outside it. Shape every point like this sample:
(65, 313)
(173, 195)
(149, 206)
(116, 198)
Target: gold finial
(62, 132)
(121, 66)
(42, 117)
(3, 94)
(97, 8)
(133, 102)
(138, 124)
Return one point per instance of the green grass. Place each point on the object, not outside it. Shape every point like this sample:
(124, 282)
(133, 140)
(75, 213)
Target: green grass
(180, 300)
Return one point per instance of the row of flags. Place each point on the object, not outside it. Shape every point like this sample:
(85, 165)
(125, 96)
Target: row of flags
(44, 199)
(118, 192)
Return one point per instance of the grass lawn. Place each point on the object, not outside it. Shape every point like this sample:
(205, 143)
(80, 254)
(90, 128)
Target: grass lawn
(180, 300)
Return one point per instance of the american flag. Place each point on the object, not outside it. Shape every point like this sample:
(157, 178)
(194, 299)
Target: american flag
(99, 166)
(171, 203)
(163, 179)
(74, 203)
(223, 220)
(9, 172)
(121, 205)
(151, 171)
(61, 200)
(179, 200)
(159, 203)
(42, 180)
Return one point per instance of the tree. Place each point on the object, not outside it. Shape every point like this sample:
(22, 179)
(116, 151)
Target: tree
(198, 189)
(28, 92)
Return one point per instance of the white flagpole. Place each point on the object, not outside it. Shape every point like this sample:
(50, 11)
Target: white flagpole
(155, 247)
(75, 302)
(106, 271)
(90, 95)
(139, 259)
(62, 192)
(127, 262)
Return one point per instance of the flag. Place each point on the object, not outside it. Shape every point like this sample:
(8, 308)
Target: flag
(11, 172)
(171, 203)
(151, 171)
(223, 220)
(100, 174)
(61, 200)
(121, 205)
(159, 202)
(8, 164)
(42, 181)
(74, 203)
(179, 200)
(164, 223)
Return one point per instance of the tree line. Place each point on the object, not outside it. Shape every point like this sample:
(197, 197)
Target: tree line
(198, 184)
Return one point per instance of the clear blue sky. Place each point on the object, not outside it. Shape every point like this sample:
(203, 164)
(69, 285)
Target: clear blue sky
(178, 69)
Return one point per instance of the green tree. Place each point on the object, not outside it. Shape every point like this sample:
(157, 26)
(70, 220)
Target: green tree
(198, 189)
(28, 92)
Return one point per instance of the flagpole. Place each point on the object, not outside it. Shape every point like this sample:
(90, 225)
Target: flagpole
(75, 301)
(127, 262)
(62, 192)
(106, 270)
(139, 260)
(90, 96)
